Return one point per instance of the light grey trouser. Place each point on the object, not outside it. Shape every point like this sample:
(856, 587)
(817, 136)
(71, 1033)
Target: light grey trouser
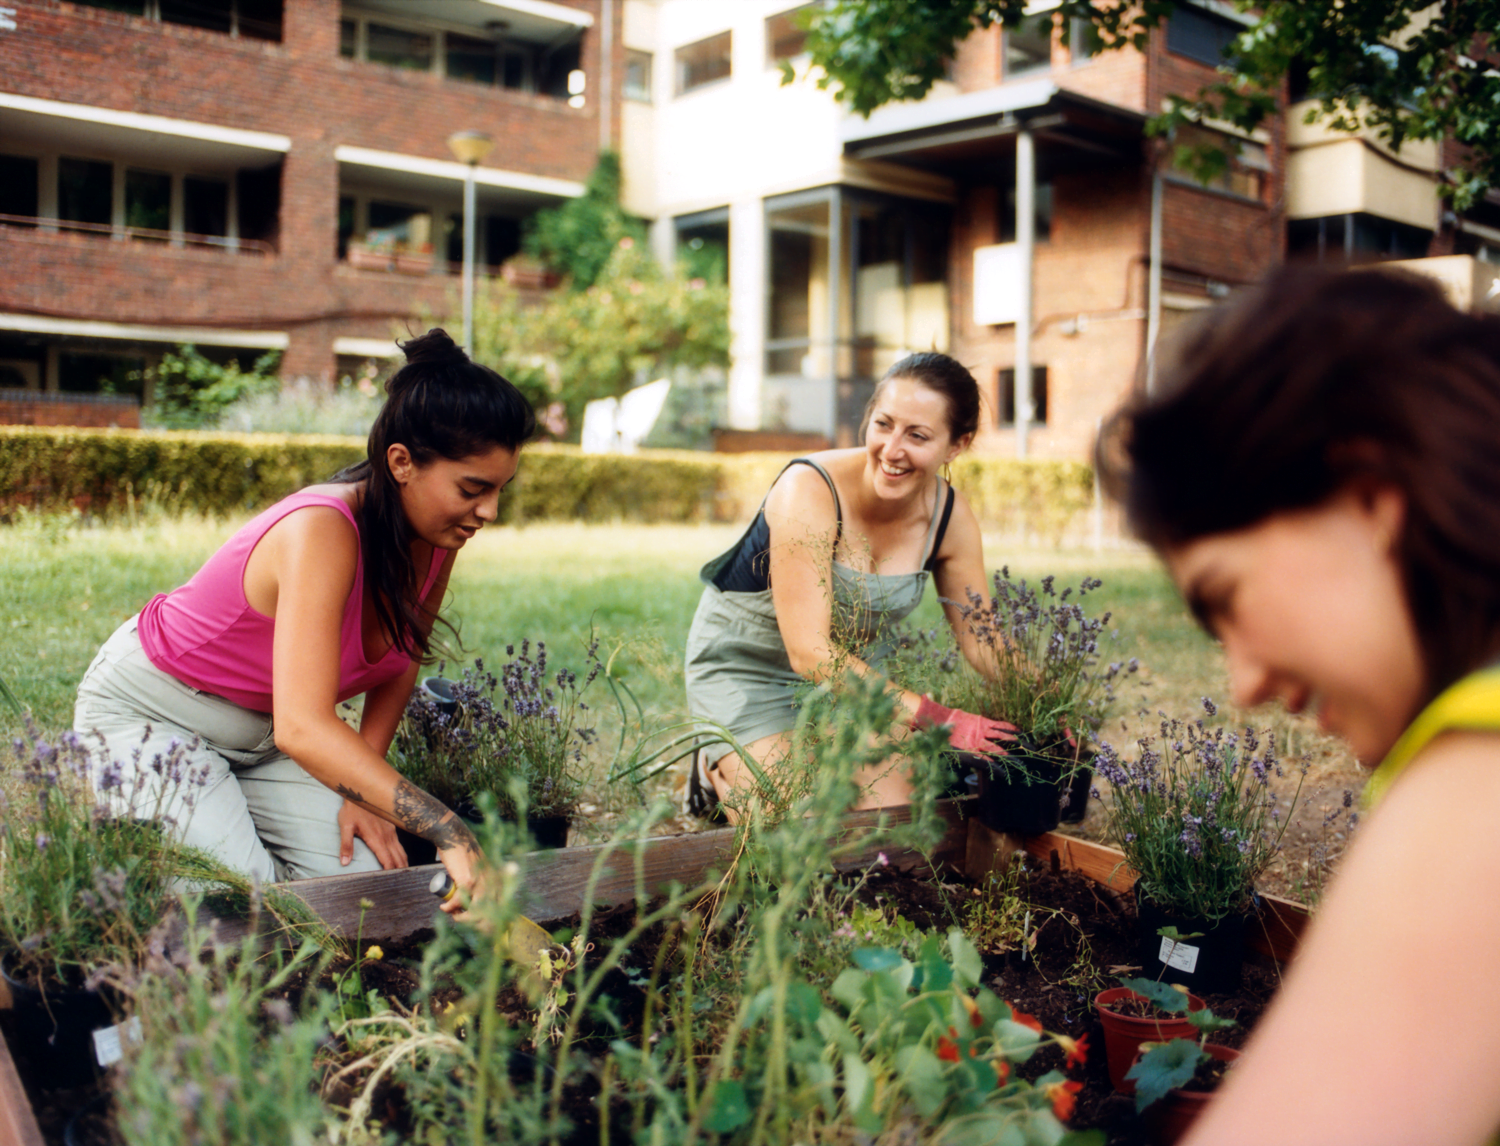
(152, 737)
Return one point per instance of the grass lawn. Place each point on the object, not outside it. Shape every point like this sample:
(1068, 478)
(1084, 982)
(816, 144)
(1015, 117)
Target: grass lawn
(635, 587)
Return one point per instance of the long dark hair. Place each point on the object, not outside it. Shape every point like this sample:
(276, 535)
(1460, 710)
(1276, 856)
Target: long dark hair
(440, 404)
(948, 376)
(1311, 381)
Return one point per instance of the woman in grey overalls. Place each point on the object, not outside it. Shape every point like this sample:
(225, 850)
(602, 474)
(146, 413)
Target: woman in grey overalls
(840, 551)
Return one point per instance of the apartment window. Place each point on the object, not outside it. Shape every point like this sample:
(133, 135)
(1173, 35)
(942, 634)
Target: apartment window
(1084, 41)
(1244, 174)
(786, 38)
(205, 206)
(1038, 396)
(470, 58)
(349, 39)
(18, 186)
(1028, 47)
(1041, 219)
(1200, 35)
(252, 19)
(637, 84)
(85, 191)
(148, 201)
(346, 224)
(703, 63)
(398, 47)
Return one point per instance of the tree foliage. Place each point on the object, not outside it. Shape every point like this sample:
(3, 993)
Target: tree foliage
(578, 238)
(1408, 69)
(634, 322)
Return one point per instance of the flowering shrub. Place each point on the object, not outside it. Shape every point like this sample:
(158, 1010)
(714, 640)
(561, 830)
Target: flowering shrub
(520, 735)
(1196, 815)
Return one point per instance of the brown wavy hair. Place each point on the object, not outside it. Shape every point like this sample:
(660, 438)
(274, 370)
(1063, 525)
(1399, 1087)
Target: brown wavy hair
(1311, 381)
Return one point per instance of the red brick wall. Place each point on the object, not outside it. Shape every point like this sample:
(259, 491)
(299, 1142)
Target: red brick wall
(301, 88)
(17, 408)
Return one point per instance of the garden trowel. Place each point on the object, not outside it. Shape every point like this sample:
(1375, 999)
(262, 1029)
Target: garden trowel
(526, 941)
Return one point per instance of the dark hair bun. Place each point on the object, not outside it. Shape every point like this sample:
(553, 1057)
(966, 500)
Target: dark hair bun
(435, 346)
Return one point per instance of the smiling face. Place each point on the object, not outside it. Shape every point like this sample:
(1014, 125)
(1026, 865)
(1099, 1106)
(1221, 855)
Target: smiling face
(908, 437)
(448, 501)
(1310, 608)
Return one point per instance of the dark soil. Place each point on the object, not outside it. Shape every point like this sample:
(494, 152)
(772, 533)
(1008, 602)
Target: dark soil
(1092, 927)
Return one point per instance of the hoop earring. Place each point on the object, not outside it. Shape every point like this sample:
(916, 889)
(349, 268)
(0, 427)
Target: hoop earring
(945, 471)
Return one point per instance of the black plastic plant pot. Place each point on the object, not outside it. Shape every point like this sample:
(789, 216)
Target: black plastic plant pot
(439, 690)
(55, 1029)
(1076, 788)
(548, 832)
(1207, 964)
(1018, 792)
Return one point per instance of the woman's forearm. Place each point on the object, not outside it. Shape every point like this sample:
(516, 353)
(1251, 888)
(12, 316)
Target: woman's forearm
(337, 756)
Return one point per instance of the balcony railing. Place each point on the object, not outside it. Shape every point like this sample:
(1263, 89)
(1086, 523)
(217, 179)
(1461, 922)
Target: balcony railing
(145, 234)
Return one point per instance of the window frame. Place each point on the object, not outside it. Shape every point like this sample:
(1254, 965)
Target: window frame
(645, 93)
(1005, 396)
(772, 59)
(679, 87)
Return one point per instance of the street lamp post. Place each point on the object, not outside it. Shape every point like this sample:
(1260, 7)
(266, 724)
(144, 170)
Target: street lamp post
(469, 147)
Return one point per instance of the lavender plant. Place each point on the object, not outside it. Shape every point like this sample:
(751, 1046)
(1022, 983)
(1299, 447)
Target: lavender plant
(1196, 814)
(80, 887)
(1045, 648)
(82, 881)
(521, 735)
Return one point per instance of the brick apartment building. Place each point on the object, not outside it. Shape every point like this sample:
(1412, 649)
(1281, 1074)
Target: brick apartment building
(247, 175)
(849, 242)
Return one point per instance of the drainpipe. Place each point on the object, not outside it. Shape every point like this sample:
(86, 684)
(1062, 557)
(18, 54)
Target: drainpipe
(1153, 281)
(1025, 249)
(606, 73)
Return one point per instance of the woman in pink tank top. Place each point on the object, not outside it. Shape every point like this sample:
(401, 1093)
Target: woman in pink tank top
(330, 593)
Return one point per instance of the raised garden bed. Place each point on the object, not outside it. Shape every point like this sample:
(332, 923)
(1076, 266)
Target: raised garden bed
(556, 883)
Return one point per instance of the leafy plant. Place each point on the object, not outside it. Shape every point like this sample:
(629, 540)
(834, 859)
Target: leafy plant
(1196, 815)
(1166, 1066)
(191, 392)
(578, 238)
(307, 407)
(520, 736)
(633, 323)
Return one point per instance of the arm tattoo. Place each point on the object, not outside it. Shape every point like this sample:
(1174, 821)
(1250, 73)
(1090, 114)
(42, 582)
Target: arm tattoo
(426, 816)
(350, 794)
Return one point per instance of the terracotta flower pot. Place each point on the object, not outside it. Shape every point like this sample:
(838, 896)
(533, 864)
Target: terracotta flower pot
(1168, 1120)
(1124, 1034)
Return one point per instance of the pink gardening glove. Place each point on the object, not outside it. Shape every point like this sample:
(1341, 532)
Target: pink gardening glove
(967, 731)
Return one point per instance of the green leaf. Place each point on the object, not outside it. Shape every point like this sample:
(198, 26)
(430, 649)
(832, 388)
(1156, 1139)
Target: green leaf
(922, 1078)
(859, 1087)
(728, 1109)
(803, 1002)
(1083, 1138)
(1016, 1042)
(983, 1128)
(967, 964)
(1167, 997)
(1163, 1067)
(877, 959)
(849, 988)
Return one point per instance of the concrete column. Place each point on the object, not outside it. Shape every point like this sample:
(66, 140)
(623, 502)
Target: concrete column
(1025, 250)
(1153, 282)
(747, 312)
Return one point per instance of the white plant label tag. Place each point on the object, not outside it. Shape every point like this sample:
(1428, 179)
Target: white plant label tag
(107, 1047)
(1178, 955)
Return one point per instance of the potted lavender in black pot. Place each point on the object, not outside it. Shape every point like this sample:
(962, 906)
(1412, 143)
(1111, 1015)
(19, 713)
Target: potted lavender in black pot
(520, 736)
(1046, 681)
(1199, 820)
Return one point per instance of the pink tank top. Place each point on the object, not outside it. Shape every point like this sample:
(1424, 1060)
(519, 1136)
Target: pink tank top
(206, 634)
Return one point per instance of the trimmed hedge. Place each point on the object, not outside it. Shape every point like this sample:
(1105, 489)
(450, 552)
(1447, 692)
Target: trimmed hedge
(102, 471)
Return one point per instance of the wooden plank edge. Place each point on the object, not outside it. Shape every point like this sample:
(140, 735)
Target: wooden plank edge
(18, 1125)
(1276, 930)
(555, 882)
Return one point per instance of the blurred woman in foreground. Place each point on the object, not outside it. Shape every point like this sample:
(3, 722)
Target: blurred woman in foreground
(1320, 471)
